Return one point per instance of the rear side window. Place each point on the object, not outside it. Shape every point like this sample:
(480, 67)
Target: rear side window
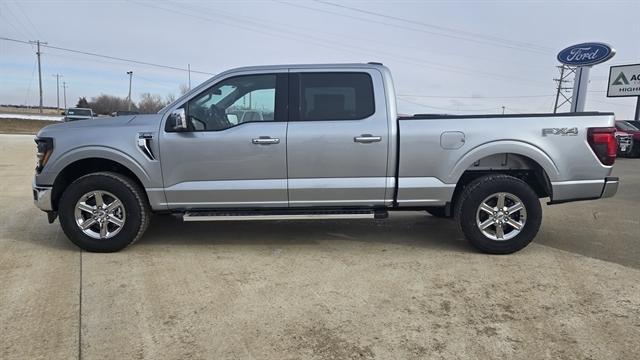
(336, 96)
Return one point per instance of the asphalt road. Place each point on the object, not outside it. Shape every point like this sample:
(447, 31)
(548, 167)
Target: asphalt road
(406, 288)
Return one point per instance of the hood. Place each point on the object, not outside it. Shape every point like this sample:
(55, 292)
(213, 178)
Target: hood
(107, 122)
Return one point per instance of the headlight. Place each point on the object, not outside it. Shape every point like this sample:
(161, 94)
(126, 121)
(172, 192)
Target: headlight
(45, 148)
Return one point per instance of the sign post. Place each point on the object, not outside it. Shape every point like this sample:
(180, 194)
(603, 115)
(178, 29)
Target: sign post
(624, 81)
(583, 57)
(579, 98)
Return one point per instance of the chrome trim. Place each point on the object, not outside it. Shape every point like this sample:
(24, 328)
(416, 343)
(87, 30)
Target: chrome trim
(189, 217)
(42, 197)
(179, 117)
(218, 203)
(367, 138)
(577, 182)
(365, 201)
(265, 141)
(143, 144)
(610, 188)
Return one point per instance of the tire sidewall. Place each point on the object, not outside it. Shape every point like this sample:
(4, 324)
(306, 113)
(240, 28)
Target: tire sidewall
(509, 185)
(78, 188)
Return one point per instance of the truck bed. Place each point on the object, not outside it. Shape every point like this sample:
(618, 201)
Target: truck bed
(435, 150)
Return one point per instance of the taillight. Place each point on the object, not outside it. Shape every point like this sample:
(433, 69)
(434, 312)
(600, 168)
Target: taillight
(603, 143)
(45, 147)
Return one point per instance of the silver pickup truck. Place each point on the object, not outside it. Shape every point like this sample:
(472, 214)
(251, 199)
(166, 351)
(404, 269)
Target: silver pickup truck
(322, 142)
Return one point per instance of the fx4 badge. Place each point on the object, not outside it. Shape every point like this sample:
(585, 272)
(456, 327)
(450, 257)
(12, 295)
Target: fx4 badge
(560, 131)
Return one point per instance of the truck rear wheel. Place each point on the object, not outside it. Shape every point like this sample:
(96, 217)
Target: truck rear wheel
(103, 212)
(499, 214)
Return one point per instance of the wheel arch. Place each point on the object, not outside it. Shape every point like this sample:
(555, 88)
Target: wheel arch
(84, 166)
(523, 161)
(532, 153)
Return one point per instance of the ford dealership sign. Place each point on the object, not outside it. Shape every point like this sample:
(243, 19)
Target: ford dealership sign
(586, 54)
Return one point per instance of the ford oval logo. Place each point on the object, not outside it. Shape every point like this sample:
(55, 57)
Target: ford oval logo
(586, 54)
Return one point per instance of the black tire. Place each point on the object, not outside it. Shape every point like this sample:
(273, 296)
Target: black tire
(438, 211)
(130, 194)
(476, 192)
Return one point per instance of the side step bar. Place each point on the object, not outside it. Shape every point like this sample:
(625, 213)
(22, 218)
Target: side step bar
(220, 215)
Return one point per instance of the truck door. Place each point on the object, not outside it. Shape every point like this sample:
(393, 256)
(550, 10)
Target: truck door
(337, 139)
(234, 152)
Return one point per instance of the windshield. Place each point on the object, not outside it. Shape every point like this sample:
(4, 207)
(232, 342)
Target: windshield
(626, 126)
(78, 112)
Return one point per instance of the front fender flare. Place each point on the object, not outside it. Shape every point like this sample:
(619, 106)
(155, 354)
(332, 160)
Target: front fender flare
(102, 152)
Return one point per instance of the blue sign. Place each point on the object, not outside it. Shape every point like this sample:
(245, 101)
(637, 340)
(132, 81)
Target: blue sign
(586, 54)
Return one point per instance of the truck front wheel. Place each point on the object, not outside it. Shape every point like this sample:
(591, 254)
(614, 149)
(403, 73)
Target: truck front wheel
(499, 214)
(103, 212)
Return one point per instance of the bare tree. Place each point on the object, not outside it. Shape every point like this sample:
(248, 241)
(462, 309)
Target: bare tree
(183, 89)
(169, 99)
(107, 104)
(150, 103)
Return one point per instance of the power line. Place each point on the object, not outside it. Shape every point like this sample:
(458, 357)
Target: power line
(263, 29)
(18, 31)
(26, 16)
(369, 20)
(17, 19)
(440, 28)
(110, 57)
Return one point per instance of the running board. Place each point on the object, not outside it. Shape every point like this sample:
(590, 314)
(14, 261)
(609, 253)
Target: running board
(283, 215)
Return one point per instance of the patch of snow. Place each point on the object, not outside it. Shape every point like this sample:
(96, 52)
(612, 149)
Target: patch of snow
(31, 117)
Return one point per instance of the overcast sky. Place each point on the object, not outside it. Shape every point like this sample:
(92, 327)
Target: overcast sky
(446, 56)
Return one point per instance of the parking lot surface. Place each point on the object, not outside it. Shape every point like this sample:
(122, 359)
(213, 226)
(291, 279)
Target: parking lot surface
(406, 288)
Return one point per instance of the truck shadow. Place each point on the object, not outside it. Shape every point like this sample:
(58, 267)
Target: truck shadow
(415, 229)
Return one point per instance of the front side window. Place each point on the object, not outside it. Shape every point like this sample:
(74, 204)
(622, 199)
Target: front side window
(336, 96)
(232, 102)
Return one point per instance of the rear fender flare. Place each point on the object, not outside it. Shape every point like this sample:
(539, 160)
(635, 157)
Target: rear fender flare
(501, 147)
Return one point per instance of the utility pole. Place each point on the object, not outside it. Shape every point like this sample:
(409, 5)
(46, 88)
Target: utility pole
(38, 42)
(58, 76)
(189, 70)
(130, 73)
(503, 110)
(64, 89)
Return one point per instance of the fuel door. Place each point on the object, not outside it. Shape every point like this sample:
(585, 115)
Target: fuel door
(451, 140)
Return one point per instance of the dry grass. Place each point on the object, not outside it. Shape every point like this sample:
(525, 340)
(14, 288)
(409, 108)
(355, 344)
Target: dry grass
(31, 111)
(23, 126)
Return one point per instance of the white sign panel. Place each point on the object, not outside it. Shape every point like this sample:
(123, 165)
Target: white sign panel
(624, 80)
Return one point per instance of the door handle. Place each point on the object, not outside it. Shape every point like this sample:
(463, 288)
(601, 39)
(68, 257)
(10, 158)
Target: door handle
(367, 138)
(265, 140)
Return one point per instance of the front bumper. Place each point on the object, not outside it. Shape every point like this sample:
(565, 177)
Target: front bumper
(42, 197)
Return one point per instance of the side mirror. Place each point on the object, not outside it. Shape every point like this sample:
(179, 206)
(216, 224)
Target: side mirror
(178, 119)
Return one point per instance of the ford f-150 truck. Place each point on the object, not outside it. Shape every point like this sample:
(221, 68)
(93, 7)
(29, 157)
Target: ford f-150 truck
(323, 142)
